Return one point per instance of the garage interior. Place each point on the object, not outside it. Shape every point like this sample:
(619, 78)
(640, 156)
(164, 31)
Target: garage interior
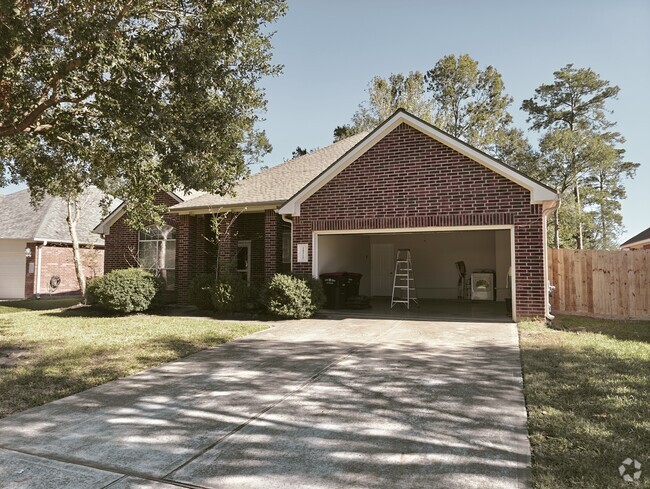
(437, 260)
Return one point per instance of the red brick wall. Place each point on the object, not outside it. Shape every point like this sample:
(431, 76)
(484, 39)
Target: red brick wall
(58, 260)
(121, 244)
(409, 180)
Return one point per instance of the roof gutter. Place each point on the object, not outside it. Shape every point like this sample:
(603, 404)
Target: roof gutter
(238, 207)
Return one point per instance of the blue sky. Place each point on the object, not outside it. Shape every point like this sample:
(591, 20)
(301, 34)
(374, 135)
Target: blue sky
(331, 49)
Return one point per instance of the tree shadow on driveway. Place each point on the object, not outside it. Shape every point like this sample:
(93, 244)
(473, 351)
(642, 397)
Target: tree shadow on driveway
(271, 412)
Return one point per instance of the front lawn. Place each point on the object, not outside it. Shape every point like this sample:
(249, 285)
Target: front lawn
(587, 387)
(46, 355)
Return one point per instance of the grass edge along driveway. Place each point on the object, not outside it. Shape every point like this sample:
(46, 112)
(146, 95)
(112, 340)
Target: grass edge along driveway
(50, 354)
(587, 389)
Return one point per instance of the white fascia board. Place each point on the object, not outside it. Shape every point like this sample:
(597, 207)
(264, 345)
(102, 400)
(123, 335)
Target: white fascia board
(538, 193)
(104, 227)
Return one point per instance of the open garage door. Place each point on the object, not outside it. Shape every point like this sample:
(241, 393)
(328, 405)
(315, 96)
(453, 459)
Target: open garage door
(463, 272)
(12, 269)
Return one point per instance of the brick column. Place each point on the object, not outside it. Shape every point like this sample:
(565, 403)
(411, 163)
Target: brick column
(272, 243)
(183, 259)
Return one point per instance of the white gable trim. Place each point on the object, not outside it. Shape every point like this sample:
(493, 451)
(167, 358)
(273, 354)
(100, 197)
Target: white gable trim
(104, 227)
(538, 192)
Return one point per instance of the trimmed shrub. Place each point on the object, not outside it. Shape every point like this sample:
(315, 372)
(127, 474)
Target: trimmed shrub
(287, 296)
(128, 290)
(200, 290)
(318, 297)
(230, 294)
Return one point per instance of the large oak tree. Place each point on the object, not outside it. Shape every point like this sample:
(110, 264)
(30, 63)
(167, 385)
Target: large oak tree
(133, 97)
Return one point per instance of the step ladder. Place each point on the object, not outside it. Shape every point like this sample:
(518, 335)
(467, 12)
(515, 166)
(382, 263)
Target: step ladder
(403, 281)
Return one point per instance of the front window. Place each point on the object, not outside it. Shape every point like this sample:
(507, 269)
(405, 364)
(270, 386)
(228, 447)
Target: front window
(157, 252)
(244, 260)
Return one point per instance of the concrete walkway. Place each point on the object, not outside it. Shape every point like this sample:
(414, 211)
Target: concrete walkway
(309, 404)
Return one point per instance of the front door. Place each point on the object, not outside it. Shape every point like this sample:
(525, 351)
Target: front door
(382, 263)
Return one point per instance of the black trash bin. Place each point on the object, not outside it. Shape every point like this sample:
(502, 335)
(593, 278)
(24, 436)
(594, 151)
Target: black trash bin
(335, 286)
(353, 282)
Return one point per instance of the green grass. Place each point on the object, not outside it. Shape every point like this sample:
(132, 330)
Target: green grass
(7, 307)
(587, 387)
(53, 354)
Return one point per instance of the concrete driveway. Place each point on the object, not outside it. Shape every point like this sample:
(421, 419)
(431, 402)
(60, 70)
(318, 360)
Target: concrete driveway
(308, 404)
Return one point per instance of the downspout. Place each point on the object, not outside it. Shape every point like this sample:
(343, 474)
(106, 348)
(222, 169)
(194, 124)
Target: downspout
(290, 221)
(547, 301)
(39, 255)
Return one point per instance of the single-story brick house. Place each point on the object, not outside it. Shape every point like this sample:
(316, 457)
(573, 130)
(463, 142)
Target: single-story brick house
(350, 206)
(640, 241)
(35, 245)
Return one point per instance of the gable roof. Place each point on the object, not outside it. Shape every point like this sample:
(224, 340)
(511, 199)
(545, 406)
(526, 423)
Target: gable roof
(104, 226)
(47, 222)
(539, 192)
(643, 236)
(276, 185)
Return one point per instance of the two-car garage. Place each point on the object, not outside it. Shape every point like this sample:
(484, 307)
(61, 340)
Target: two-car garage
(436, 254)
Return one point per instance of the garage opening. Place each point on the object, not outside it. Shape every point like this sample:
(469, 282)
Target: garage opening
(457, 274)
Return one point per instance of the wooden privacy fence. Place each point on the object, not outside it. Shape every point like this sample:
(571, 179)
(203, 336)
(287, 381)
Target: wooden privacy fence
(609, 284)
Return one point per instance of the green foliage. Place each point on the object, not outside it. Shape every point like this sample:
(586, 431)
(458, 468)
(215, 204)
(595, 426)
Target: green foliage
(580, 157)
(133, 97)
(386, 95)
(455, 95)
(200, 290)
(318, 297)
(231, 293)
(128, 290)
(287, 296)
(299, 152)
(468, 102)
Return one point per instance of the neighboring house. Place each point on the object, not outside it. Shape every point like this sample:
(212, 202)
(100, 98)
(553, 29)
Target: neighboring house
(350, 206)
(639, 242)
(35, 245)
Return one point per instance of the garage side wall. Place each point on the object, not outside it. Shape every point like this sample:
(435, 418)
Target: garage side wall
(409, 180)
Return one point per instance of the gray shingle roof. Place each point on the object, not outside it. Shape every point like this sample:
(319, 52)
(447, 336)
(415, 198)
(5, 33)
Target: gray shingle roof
(642, 236)
(19, 220)
(278, 183)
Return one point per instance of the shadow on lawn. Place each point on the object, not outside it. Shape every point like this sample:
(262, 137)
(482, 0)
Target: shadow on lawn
(401, 414)
(589, 410)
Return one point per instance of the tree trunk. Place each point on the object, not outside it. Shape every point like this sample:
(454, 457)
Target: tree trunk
(73, 219)
(556, 225)
(579, 204)
(603, 225)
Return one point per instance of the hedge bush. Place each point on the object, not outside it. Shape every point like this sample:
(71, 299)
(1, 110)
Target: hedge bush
(318, 297)
(230, 293)
(200, 293)
(128, 290)
(287, 296)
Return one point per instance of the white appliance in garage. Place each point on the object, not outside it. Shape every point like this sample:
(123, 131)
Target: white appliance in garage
(482, 286)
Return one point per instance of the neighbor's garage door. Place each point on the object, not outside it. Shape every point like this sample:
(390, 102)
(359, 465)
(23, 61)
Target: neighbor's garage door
(12, 269)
